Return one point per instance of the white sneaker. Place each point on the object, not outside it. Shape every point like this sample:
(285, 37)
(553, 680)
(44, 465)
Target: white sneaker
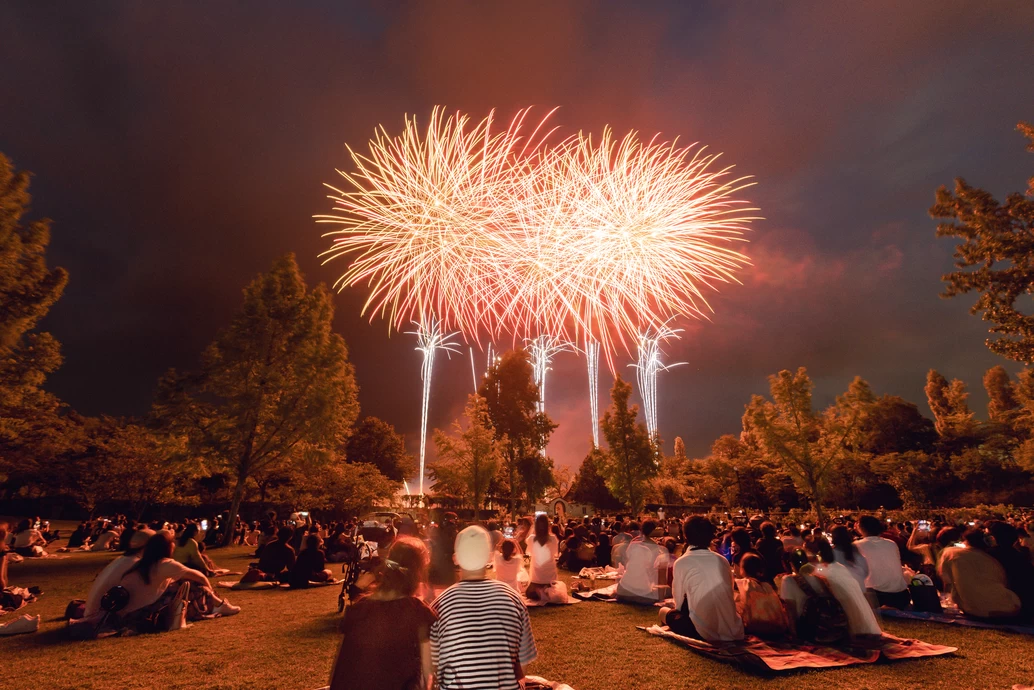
(226, 609)
(22, 624)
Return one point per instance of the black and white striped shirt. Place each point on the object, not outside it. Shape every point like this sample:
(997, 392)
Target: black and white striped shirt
(481, 631)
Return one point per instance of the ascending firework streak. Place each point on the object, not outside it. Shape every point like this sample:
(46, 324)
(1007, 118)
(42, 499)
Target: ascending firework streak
(430, 338)
(543, 349)
(649, 366)
(592, 359)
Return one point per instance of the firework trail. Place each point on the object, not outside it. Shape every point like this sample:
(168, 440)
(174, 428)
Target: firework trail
(592, 361)
(647, 368)
(430, 339)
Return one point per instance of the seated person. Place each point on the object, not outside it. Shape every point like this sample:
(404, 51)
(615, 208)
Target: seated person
(740, 545)
(757, 601)
(978, 583)
(157, 585)
(620, 543)
(107, 540)
(27, 541)
(509, 561)
(646, 569)
(310, 566)
(482, 637)
(1014, 558)
(79, 536)
(188, 552)
(702, 586)
(276, 559)
(113, 572)
(772, 550)
(818, 567)
(886, 578)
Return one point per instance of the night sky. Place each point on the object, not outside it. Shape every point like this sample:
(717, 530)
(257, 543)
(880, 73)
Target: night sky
(179, 148)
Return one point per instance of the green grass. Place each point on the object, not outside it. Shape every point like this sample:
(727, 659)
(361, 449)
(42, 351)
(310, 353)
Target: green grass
(287, 639)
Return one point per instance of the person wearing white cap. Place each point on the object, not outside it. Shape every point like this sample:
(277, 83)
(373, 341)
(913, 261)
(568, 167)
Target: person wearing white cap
(482, 638)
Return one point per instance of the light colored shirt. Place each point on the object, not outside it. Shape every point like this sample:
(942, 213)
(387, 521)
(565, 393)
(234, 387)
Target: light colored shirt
(859, 568)
(105, 541)
(26, 538)
(543, 560)
(703, 580)
(844, 588)
(108, 578)
(506, 570)
(163, 574)
(978, 583)
(644, 560)
(884, 561)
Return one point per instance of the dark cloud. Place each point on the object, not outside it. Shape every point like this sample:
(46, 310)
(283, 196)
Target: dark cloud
(181, 148)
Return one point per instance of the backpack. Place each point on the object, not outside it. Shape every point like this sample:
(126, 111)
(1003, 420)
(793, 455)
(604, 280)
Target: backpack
(761, 609)
(823, 620)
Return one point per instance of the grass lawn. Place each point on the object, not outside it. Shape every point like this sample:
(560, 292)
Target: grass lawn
(287, 639)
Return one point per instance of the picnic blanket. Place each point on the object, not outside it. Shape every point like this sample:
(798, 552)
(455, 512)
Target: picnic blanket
(539, 683)
(607, 594)
(762, 655)
(606, 573)
(956, 619)
(530, 603)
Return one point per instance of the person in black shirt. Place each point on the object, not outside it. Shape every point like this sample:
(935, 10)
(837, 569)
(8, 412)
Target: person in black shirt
(310, 564)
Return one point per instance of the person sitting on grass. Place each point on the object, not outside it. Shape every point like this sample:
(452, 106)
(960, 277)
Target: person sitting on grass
(1015, 560)
(772, 550)
(158, 585)
(107, 540)
(113, 572)
(26, 541)
(482, 637)
(757, 601)
(977, 581)
(311, 564)
(702, 587)
(886, 578)
(276, 560)
(188, 552)
(847, 554)
(386, 633)
(543, 548)
(816, 565)
(79, 536)
(508, 563)
(646, 570)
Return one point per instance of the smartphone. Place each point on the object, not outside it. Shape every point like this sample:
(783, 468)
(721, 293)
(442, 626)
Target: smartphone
(204, 525)
(960, 544)
(924, 525)
(508, 531)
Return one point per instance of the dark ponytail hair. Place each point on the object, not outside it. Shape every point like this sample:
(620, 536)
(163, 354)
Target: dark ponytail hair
(842, 539)
(157, 549)
(189, 532)
(542, 529)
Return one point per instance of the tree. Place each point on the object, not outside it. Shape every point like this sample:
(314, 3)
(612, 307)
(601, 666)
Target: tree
(590, 486)
(511, 395)
(28, 289)
(921, 480)
(680, 449)
(894, 425)
(806, 444)
(998, 244)
(562, 483)
(1001, 397)
(276, 381)
(952, 416)
(375, 442)
(630, 452)
(468, 460)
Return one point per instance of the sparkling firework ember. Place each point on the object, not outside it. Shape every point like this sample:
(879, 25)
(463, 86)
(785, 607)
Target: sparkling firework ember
(650, 364)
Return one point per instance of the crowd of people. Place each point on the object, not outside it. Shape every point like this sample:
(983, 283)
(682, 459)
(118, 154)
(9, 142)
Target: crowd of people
(448, 604)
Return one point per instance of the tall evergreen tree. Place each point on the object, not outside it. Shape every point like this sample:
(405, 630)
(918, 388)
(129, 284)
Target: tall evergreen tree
(376, 442)
(630, 458)
(948, 402)
(28, 289)
(276, 382)
(590, 486)
(469, 459)
(995, 258)
(510, 394)
(1001, 396)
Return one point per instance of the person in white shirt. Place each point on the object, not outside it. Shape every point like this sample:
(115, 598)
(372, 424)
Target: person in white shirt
(819, 564)
(702, 586)
(886, 578)
(106, 540)
(114, 571)
(646, 569)
(543, 548)
(156, 578)
(27, 541)
(847, 554)
(509, 562)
